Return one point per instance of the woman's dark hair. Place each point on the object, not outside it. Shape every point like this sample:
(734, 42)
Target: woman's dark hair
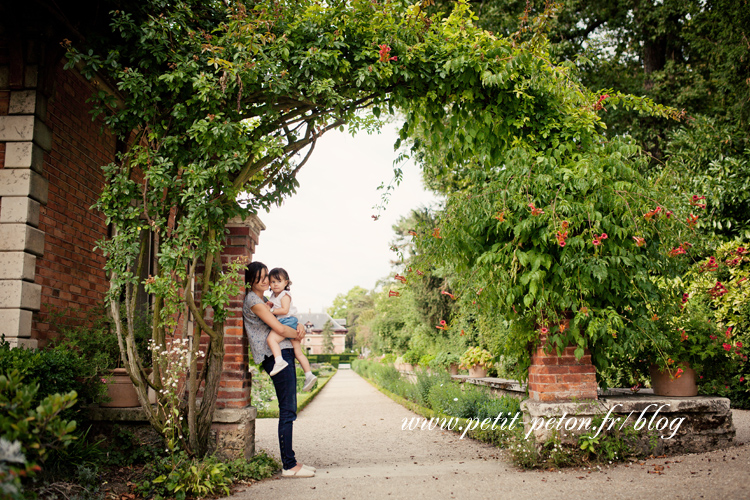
(253, 272)
(280, 274)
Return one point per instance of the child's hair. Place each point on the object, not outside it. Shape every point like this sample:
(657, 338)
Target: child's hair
(253, 273)
(280, 274)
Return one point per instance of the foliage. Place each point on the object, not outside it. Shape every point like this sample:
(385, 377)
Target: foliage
(56, 371)
(13, 467)
(179, 475)
(328, 337)
(476, 356)
(124, 449)
(263, 392)
(226, 100)
(259, 467)
(444, 359)
(95, 340)
(411, 357)
(356, 305)
(32, 430)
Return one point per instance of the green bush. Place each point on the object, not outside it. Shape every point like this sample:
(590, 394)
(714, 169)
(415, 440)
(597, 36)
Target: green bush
(56, 371)
(425, 382)
(96, 341)
(411, 357)
(259, 467)
(31, 430)
(178, 476)
(426, 360)
(388, 358)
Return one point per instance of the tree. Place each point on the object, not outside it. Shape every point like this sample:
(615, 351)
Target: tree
(223, 101)
(328, 337)
(351, 306)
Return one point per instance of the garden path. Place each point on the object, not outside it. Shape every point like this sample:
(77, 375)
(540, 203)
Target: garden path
(352, 434)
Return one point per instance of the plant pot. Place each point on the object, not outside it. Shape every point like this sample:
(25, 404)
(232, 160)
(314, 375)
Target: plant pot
(121, 390)
(453, 369)
(477, 371)
(682, 386)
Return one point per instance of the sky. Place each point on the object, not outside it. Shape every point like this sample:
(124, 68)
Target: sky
(324, 235)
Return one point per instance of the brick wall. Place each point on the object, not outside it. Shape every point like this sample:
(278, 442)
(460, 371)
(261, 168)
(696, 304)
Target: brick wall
(561, 378)
(71, 271)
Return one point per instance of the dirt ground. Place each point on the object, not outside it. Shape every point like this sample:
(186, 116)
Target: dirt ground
(352, 434)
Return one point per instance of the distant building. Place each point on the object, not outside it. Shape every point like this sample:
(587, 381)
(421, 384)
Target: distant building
(313, 342)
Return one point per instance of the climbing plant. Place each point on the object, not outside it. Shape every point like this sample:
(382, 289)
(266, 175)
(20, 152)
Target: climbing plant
(219, 104)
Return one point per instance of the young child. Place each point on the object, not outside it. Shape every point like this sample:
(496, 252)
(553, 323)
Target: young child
(281, 306)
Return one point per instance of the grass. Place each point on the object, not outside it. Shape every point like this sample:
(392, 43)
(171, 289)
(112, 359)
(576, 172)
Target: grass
(303, 398)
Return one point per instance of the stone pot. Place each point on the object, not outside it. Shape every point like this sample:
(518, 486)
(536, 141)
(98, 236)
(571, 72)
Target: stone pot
(453, 369)
(683, 386)
(121, 390)
(477, 371)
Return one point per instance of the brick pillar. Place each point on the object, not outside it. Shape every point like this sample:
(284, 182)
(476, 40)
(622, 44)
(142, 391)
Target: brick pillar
(233, 429)
(235, 383)
(24, 138)
(561, 378)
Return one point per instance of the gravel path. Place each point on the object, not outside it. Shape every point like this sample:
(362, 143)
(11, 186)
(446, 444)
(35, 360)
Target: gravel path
(352, 434)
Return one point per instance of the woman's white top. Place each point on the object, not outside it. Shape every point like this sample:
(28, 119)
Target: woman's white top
(276, 301)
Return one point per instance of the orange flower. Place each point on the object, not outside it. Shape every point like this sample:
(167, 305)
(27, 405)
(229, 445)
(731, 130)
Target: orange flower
(639, 241)
(391, 293)
(400, 278)
(436, 232)
(500, 216)
(442, 326)
(448, 294)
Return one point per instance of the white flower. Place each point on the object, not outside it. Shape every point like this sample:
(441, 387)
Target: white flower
(455, 399)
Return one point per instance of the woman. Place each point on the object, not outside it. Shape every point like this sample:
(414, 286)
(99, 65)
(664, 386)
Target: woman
(259, 321)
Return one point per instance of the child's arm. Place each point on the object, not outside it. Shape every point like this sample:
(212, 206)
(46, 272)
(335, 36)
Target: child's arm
(286, 301)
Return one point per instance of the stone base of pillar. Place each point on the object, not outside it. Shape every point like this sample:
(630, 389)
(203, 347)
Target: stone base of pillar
(652, 425)
(232, 432)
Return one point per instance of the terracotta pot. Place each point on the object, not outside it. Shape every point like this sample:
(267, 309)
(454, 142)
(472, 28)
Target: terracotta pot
(477, 371)
(453, 369)
(682, 386)
(121, 390)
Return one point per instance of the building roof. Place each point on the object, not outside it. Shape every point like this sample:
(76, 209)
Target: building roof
(319, 320)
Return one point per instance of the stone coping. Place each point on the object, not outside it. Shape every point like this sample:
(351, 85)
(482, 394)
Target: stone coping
(136, 414)
(631, 403)
(492, 382)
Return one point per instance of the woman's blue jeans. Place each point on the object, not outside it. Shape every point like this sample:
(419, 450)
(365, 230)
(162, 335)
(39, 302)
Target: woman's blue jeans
(285, 383)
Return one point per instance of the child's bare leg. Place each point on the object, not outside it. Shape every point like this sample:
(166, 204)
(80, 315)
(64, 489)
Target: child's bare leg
(272, 340)
(301, 358)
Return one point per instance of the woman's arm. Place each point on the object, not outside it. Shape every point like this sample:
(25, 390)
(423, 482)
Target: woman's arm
(268, 318)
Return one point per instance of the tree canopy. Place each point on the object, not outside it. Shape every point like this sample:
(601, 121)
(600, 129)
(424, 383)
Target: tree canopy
(224, 101)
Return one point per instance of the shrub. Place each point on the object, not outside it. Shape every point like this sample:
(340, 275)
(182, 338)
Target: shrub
(32, 430)
(425, 382)
(56, 371)
(426, 360)
(179, 476)
(411, 357)
(388, 358)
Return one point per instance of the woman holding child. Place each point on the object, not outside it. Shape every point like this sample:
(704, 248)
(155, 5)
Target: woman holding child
(260, 322)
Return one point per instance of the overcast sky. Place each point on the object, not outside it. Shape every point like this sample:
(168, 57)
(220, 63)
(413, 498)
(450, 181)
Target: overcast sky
(325, 236)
